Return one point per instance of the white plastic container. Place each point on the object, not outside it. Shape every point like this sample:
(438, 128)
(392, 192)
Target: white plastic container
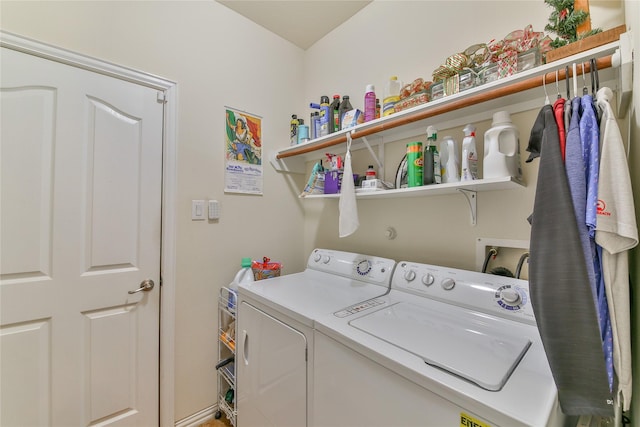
(502, 149)
(391, 95)
(469, 167)
(244, 275)
(449, 160)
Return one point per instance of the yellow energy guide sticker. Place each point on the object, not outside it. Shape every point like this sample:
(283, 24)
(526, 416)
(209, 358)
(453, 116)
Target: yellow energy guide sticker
(469, 421)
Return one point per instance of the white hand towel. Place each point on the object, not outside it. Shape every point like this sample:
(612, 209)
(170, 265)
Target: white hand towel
(348, 221)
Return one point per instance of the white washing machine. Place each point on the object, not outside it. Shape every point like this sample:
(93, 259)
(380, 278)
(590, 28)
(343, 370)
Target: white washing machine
(274, 357)
(445, 347)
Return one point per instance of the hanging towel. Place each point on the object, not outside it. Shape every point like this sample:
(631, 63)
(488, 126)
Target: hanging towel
(348, 221)
(616, 233)
(561, 298)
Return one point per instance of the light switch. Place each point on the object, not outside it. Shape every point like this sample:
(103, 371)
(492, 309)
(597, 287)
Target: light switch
(214, 209)
(197, 210)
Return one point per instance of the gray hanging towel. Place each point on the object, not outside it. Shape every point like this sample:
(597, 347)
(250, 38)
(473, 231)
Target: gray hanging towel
(561, 297)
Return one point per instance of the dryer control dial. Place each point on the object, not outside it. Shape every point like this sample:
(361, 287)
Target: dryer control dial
(363, 267)
(326, 259)
(448, 284)
(409, 275)
(428, 279)
(510, 297)
(317, 257)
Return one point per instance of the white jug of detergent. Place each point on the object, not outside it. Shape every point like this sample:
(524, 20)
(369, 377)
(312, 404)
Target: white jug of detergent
(449, 160)
(244, 275)
(502, 148)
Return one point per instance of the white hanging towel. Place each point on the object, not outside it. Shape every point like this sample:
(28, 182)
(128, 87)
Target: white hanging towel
(348, 221)
(616, 232)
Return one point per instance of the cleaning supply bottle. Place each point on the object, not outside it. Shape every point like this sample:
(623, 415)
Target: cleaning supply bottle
(415, 164)
(371, 173)
(391, 96)
(303, 132)
(369, 103)
(431, 160)
(345, 106)
(502, 148)
(428, 158)
(378, 108)
(325, 116)
(469, 170)
(244, 275)
(449, 163)
(293, 129)
(334, 126)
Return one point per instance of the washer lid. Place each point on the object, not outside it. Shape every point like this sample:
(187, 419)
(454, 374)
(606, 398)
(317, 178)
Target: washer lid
(469, 344)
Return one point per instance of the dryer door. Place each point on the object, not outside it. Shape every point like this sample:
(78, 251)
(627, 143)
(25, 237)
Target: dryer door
(272, 371)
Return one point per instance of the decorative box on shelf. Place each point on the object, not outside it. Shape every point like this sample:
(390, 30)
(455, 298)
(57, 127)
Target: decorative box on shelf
(412, 101)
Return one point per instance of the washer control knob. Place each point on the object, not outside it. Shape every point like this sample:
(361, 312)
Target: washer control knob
(317, 257)
(510, 297)
(448, 284)
(428, 279)
(409, 275)
(326, 259)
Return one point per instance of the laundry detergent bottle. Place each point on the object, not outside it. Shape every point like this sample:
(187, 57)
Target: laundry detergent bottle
(502, 149)
(244, 275)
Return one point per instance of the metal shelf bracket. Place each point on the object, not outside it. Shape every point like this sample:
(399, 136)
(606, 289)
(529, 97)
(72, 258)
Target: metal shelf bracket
(471, 197)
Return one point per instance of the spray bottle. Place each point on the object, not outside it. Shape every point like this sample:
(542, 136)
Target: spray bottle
(449, 163)
(431, 158)
(325, 115)
(334, 119)
(469, 154)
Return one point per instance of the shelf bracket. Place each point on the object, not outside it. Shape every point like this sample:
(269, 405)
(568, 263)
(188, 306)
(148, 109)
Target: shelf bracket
(623, 60)
(471, 197)
(375, 157)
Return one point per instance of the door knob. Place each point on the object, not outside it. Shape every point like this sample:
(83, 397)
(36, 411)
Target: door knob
(146, 285)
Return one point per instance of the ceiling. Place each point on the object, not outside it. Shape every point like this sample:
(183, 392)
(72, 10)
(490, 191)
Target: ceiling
(302, 22)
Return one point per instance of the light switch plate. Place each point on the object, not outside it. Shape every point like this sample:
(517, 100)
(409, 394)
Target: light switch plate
(197, 210)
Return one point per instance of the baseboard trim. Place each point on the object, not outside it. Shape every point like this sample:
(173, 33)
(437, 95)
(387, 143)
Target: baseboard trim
(198, 418)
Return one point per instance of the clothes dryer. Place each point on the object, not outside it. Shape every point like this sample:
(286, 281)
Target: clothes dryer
(274, 358)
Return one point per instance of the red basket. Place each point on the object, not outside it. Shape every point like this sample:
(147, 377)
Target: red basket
(265, 269)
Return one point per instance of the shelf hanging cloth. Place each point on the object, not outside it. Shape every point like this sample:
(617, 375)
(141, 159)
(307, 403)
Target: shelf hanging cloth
(348, 221)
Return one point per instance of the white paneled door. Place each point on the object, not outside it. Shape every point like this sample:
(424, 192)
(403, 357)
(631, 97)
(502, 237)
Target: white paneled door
(80, 214)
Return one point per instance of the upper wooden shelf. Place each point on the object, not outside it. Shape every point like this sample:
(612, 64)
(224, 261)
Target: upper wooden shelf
(519, 92)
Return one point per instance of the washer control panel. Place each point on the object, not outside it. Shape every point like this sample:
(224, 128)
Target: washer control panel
(357, 308)
(499, 295)
(366, 268)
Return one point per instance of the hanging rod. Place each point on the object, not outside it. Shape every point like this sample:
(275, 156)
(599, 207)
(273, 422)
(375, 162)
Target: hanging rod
(477, 98)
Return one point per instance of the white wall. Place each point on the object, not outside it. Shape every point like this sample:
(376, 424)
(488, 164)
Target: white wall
(217, 58)
(410, 39)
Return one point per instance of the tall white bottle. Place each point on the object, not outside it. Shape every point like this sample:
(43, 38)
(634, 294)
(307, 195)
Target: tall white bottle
(469, 168)
(449, 160)
(502, 149)
(244, 275)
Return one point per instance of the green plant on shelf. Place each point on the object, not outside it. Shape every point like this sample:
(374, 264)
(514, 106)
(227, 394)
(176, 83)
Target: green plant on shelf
(564, 22)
